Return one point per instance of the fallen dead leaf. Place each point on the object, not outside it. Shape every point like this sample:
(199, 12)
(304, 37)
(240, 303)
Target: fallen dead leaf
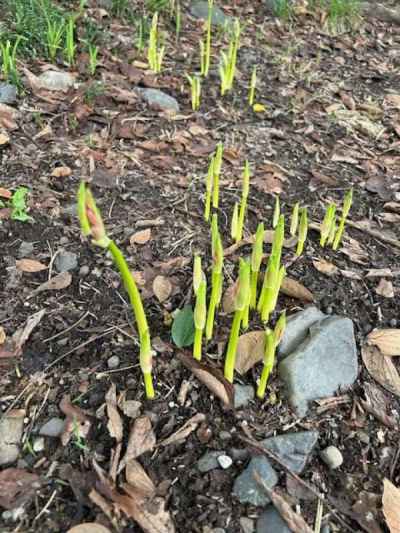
(228, 300)
(77, 423)
(393, 99)
(381, 368)
(17, 486)
(377, 405)
(137, 478)
(211, 377)
(382, 272)
(250, 350)
(56, 283)
(183, 432)
(141, 440)
(2, 335)
(385, 289)
(141, 237)
(294, 289)
(4, 139)
(61, 172)
(8, 117)
(387, 340)
(89, 527)
(13, 347)
(391, 505)
(11, 428)
(325, 267)
(114, 425)
(175, 263)
(162, 288)
(5, 193)
(30, 265)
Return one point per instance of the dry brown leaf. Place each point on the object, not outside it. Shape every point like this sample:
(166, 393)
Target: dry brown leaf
(387, 340)
(381, 368)
(175, 263)
(294, 289)
(162, 288)
(2, 335)
(376, 404)
(17, 486)
(30, 265)
(141, 439)
(211, 377)
(325, 267)
(77, 422)
(391, 506)
(382, 272)
(89, 527)
(137, 478)
(350, 274)
(13, 347)
(228, 300)
(385, 289)
(56, 283)
(114, 426)
(141, 237)
(187, 428)
(4, 139)
(250, 350)
(8, 117)
(394, 100)
(5, 193)
(61, 172)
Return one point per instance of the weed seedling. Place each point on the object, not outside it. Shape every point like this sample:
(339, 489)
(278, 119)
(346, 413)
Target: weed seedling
(303, 230)
(252, 88)
(348, 200)
(18, 205)
(205, 46)
(92, 225)
(200, 309)
(155, 53)
(241, 301)
(272, 339)
(216, 173)
(54, 36)
(217, 251)
(93, 51)
(327, 223)
(243, 204)
(227, 67)
(70, 45)
(9, 61)
(294, 221)
(256, 258)
(195, 90)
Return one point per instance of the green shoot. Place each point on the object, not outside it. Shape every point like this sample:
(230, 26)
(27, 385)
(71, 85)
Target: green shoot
(348, 200)
(217, 171)
(216, 276)
(252, 88)
(9, 61)
(54, 35)
(241, 302)
(70, 45)
(277, 212)
(18, 205)
(155, 55)
(243, 205)
(303, 230)
(332, 232)
(200, 310)
(227, 67)
(195, 89)
(235, 221)
(256, 258)
(272, 339)
(209, 189)
(294, 222)
(205, 46)
(326, 226)
(93, 51)
(178, 21)
(92, 225)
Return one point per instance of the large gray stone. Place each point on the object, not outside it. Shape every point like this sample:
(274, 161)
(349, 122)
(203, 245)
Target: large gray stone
(272, 522)
(199, 10)
(246, 488)
(297, 329)
(293, 449)
(8, 93)
(53, 80)
(159, 100)
(323, 363)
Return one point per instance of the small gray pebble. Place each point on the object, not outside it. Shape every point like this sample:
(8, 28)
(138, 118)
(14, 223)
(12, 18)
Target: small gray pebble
(64, 240)
(66, 261)
(332, 457)
(84, 271)
(224, 461)
(247, 524)
(393, 323)
(52, 428)
(113, 362)
(225, 435)
(25, 249)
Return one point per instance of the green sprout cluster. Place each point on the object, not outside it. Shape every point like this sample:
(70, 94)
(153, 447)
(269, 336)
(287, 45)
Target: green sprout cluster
(330, 232)
(205, 46)
(195, 91)
(227, 67)
(212, 181)
(155, 52)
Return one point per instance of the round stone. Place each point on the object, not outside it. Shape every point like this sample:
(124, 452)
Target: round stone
(332, 457)
(113, 362)
(224, 461)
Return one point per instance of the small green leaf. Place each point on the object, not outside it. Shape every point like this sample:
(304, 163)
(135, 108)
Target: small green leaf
(183, 327)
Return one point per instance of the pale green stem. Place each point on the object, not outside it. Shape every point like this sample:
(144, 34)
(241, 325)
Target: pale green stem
(198, 335)
(339, 234)
(253, 289)
(232, 346)
(263, 382)
(242, 214)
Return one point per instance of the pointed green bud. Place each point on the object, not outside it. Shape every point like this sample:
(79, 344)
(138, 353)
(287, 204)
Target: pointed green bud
(332, 232)
(257, 252)
(303, 229)
(348, 200)
(218, 159)
(294, 223)
(210, 175)
(269, 352)
(277, 212)
(197, 273)
(90, 217)
(246, 180)
(243, 291)
(200, 309)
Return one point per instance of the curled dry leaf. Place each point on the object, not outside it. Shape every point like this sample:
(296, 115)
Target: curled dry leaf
(30, 265)
(77, 422)
(325, 267)
(212, 378)
(141, 237)
(137, 478)
(141, 440)
(294, 289)
(381, 368)
(58, 282)
(385, 289)
(187, 428)
(250, 350)
(17, 486)
(376, 404)
(8, 117)
(387, 340)
(114, 425)
(61, 172)
(13, 347)
(89, 527)
(391, 505)
(162, 288)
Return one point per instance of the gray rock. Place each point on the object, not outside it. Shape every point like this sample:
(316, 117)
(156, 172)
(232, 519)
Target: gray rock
(243, 395)
(159, 100)
(209, 461)
(113, 362)
(323, 363)
(224, 461)
(297, 329)
(84, 271)
(52, 80)
(8, 93)
(199, 10)
(247, 490)
(332, 457)
(293, 449)
(247, 524)
(66, 261)
(271, 522)
(11, 428)
(25, 249)
(52, 428)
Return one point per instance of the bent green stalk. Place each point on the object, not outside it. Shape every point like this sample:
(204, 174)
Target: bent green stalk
(294, 223)
(348, 200)
(269, 358)
(241, 300)
(243, 204)
(326, 226)
(256, 258)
